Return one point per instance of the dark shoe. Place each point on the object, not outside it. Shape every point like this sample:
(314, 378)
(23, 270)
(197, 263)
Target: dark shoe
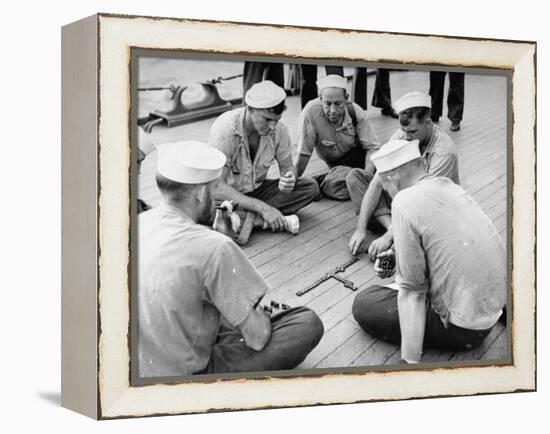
(435, 119)
(503, 317)
(142, 206)
(455, 126)
(389, 112)
(319, 179)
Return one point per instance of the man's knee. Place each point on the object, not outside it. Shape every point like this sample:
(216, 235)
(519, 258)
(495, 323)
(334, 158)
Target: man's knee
(358, 180)
(313, 326)
(308, 188)
(364, 306)
(310, 325)
(375, 310)
(304, 326)
(335, 188)
(354, 177)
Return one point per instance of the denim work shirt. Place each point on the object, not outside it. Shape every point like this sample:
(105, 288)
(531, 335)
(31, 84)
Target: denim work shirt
(190, 278)
(331, 143)
(228, 134)
(447, 247)
(440, 155)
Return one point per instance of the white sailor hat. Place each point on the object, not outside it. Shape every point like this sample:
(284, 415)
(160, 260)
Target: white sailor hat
(264, 94)
(144, 143)
(394, 154)
(412, 99)
(190, 162)
(332, 80)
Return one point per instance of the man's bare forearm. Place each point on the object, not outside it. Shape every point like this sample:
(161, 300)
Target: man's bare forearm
(256, 329)
(286, 166)
(245, 202)
(369, 165)
(369, 203)
(301, 164)
(411, 306)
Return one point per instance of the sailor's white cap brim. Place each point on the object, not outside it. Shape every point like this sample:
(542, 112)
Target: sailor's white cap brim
(264, 95)
(394, 154)
(190, 162)
(332, 80)
(412, 99)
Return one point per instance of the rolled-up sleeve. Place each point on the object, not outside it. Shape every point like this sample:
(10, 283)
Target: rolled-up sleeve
(232, 282)
(444, 164)
(307, 137)
(411, 267)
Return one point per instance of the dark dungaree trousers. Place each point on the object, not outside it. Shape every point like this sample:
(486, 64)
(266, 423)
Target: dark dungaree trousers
(455, 97)
(375, 309)
(295, 332)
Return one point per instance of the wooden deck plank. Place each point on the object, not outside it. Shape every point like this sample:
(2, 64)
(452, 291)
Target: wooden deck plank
(478, 138)
(431, 356)
(495, 200)
(301, 272)
(500, 224)
(310, 228)
(477, 181)
(479, 141)
(346, 352)
(333, 301)
(499, 348)
(262, 241)
(332, 314)
(482, 160)
(377, 354)
(291, 243)
(482, 165)
(499, 183)
(496, 213)
(309, 248)
(394, 358)
(477, 353)
(472, 164)
(331, 339)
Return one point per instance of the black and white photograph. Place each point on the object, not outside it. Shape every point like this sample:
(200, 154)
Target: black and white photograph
(302, 218)
(275, 217)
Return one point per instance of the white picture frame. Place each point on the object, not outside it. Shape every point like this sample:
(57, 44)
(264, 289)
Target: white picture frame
(96, 215)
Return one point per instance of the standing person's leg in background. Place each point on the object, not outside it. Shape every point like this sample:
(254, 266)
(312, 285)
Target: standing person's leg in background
(254, 73)
(437, 88)
(276, 73)
(360, 87)
(381, 97)
(308, 90)
(455, 99)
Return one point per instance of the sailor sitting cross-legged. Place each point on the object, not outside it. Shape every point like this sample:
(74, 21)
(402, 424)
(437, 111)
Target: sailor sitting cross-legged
(438, 152)
(253, 138)
(450, 262)
(339, 132)
(198, 295)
